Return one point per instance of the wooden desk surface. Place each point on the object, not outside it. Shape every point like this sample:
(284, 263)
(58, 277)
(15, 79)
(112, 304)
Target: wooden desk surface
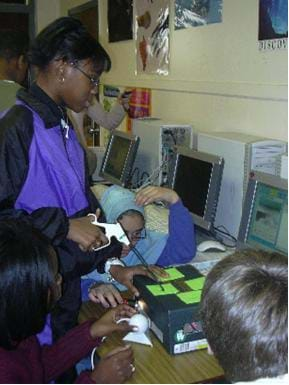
(153, 364)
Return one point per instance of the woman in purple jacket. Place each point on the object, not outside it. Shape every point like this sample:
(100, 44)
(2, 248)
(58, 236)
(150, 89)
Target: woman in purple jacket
(29, 286)
(43, 169)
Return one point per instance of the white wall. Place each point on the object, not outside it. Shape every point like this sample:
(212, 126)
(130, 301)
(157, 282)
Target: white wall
(218, 78)
(46, 11)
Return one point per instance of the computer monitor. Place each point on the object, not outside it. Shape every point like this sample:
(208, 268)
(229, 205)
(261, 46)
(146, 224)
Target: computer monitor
(197, 180)
(264, 222)
(119, 157)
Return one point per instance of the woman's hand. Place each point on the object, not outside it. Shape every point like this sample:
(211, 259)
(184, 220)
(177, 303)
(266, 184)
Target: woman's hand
(124, 99)
(114, 368)
(106, 294)
(87, 235)
(124, 275)
(154, 193)
(108, 322)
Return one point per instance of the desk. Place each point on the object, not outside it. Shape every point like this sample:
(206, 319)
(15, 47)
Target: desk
(153, 364)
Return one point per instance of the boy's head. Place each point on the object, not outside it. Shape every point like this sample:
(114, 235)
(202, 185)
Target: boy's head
(244, 310)
(119, 205)
(13, 51)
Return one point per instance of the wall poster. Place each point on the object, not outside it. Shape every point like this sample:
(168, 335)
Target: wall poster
(273, 24)
(152, 36)
(119, 17)
(194, 13)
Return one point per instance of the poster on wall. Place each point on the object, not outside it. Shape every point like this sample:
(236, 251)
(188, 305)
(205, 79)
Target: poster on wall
(152, 36)
(194, 13)
(108, 96)
(119, 16)
(273, 24)
(139, 105)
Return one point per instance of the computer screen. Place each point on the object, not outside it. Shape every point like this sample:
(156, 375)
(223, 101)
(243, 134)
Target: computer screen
(119, 157)
(197, 180)
(264, 222)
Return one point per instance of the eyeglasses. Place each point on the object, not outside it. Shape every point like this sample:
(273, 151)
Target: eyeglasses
(93, 81)
(136, 235)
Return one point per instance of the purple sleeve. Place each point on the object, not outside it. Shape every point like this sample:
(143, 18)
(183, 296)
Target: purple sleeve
(181, 246)
(68, 350)
(85, 284)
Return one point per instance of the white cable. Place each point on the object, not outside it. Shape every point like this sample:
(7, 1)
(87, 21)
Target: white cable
(92, 359)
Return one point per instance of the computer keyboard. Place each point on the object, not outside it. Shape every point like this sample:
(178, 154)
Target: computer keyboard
(157, 218)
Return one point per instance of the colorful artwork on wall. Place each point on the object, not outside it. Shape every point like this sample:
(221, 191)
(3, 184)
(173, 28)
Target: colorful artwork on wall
(119, 15)
(194, 13)
(152, 36)
(273, 24)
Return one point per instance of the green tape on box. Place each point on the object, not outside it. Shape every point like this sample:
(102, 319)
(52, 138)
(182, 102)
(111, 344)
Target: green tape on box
(196, 283)
(190, 297)
(164, 289)
(173, 274)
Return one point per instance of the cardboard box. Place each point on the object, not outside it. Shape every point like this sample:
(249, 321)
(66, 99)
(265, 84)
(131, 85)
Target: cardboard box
(173, 308)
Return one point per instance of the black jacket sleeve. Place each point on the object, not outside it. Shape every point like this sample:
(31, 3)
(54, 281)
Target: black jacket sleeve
(16, 132)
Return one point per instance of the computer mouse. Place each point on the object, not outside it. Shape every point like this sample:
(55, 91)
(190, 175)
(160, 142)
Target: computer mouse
(211, 246)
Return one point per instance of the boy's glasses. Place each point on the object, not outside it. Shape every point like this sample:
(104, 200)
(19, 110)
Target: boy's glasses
(93, 81)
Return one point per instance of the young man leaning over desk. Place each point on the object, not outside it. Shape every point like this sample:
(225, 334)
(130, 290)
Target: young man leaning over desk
(244, 312)
(176, 247)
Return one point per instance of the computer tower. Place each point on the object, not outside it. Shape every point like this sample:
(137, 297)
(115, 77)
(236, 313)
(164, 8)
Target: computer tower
(282, 166)
(242, 153)
(156, 156)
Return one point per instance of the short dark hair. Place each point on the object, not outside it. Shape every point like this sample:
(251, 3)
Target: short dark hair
(244, 311)
(66, 38)
(26, 275)
(13, 44)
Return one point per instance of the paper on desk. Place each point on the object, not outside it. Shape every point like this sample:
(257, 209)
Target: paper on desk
(173, 272)
(164, 289)
(196, 283)
(190, 297)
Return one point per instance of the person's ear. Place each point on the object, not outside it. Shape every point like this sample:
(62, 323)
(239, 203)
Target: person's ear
(60, 68)
(21, 61)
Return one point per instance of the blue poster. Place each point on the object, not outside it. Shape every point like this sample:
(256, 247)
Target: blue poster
(273, 24)
(194, 13)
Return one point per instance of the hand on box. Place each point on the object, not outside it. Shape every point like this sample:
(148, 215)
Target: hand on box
(124, 275)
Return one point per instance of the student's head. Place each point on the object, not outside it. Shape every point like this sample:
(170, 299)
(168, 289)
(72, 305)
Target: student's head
(244, 310)
(13, 51)
(29, 281)
(119, 205)
(69, 62)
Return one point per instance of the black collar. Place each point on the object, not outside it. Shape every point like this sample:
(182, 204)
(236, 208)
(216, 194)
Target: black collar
(49, 111)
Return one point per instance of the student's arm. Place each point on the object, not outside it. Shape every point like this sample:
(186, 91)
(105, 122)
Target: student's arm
(64, 353)
(109, 120)
(180, 246)
(81, 340)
